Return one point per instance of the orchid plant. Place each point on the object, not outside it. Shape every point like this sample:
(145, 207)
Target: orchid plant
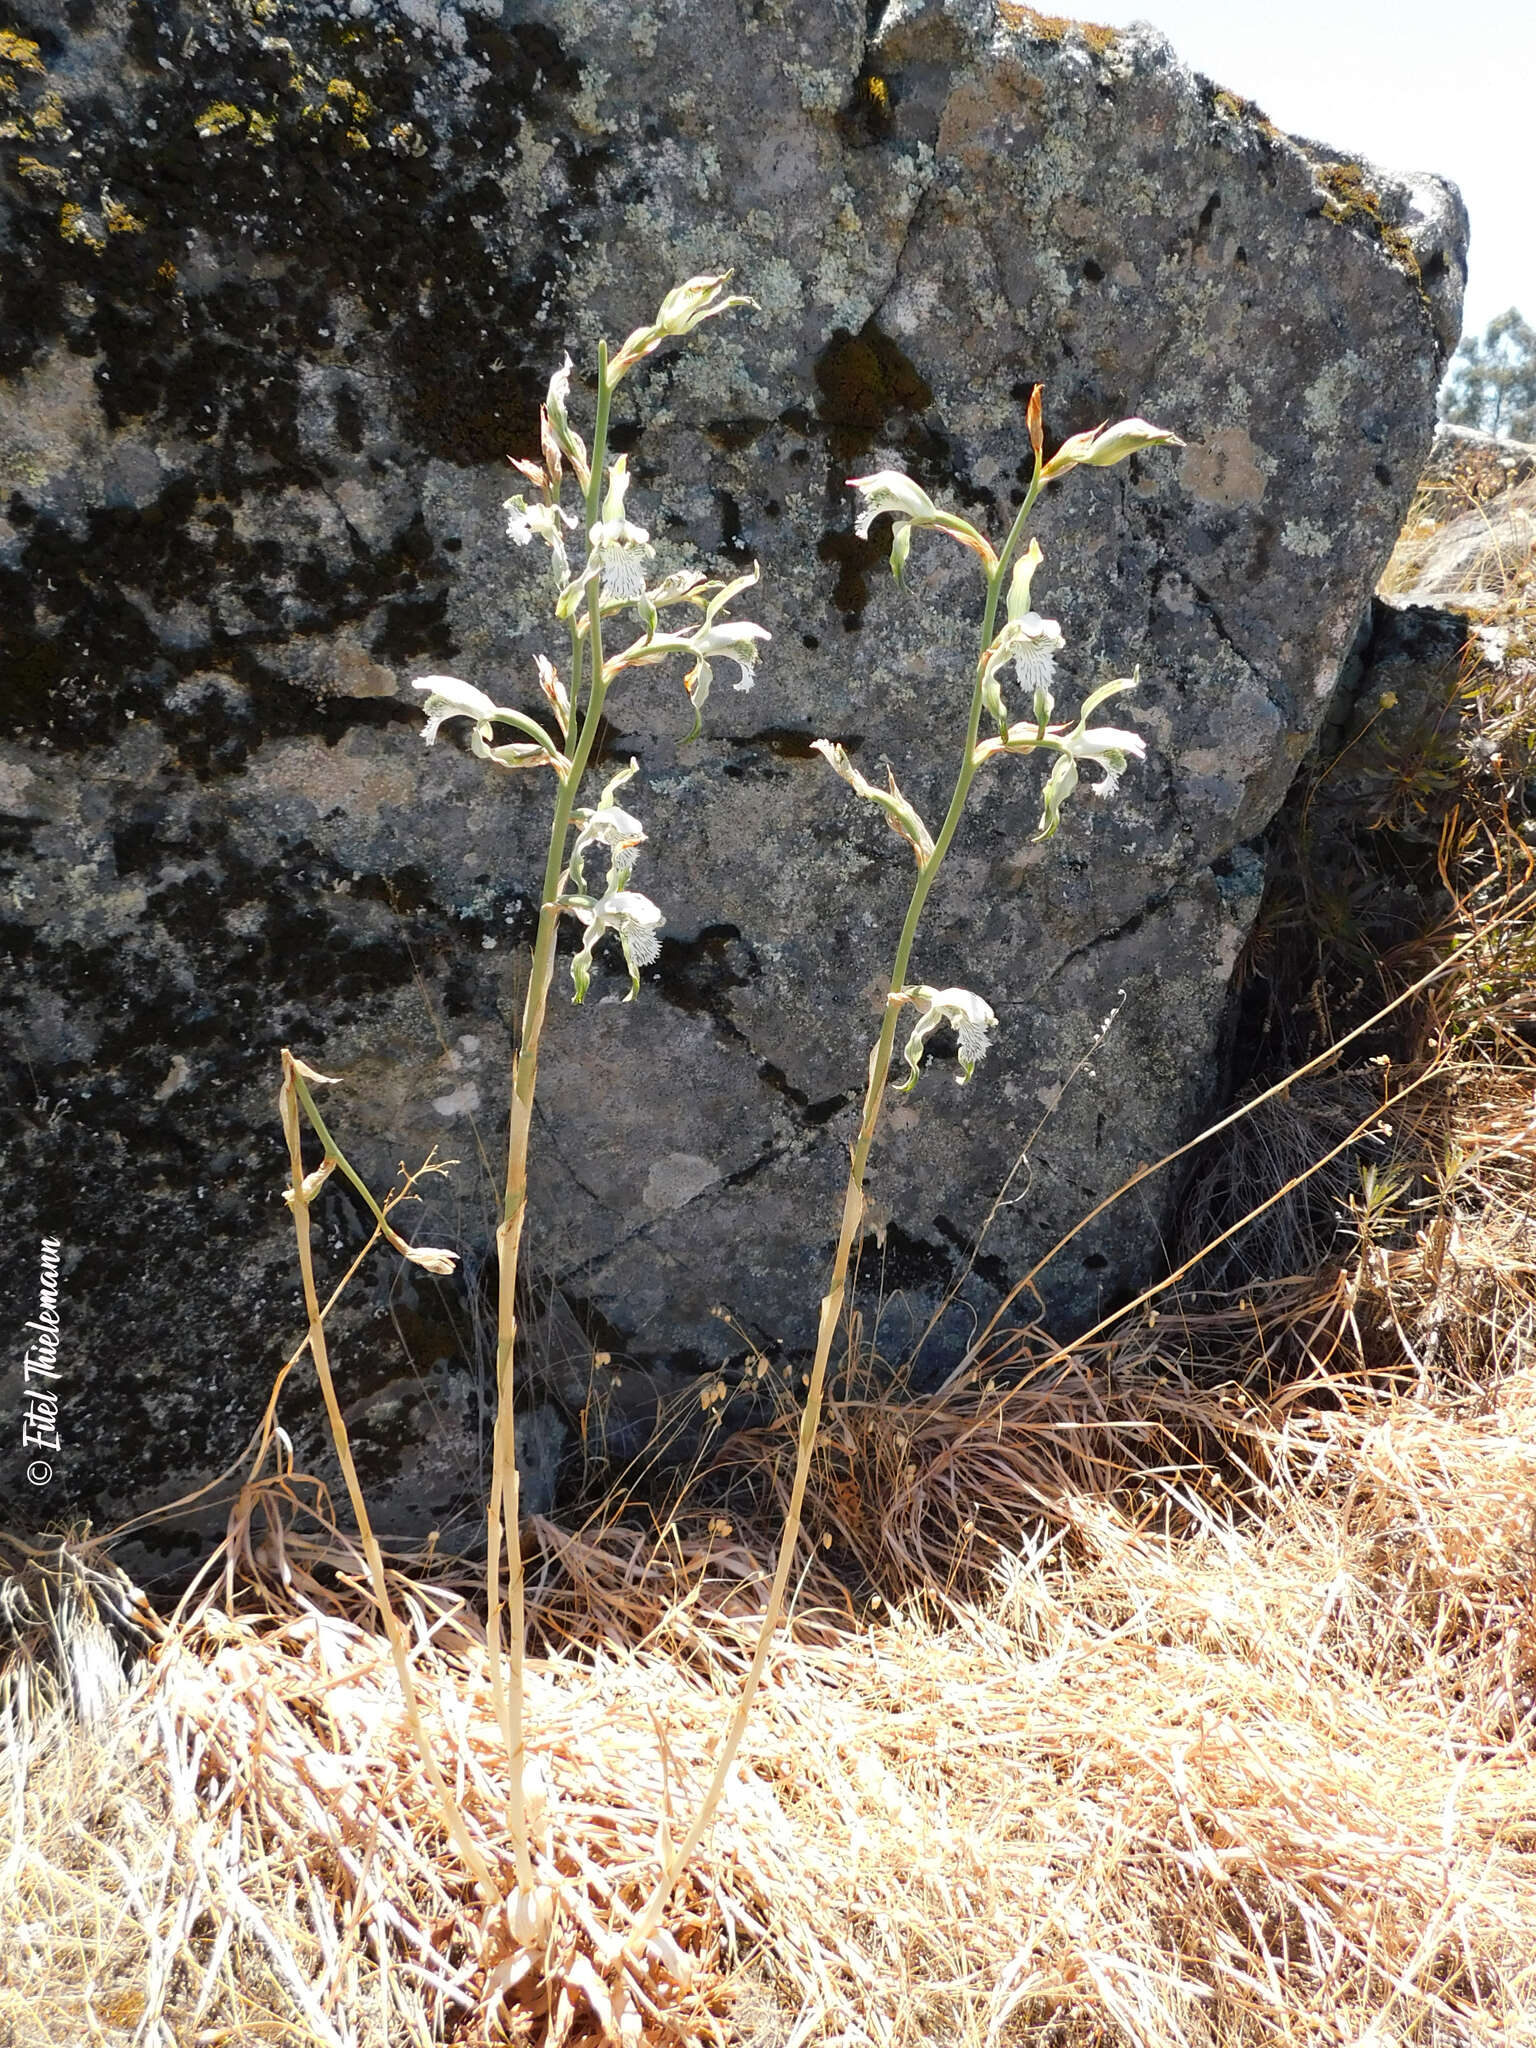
(599, 562)
(1029, 645)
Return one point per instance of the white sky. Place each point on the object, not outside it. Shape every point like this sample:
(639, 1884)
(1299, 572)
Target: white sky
(1408, 84)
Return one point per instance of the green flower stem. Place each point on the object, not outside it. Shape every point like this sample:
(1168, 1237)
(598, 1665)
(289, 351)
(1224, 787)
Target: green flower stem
(832, 1301)
(503, 1517)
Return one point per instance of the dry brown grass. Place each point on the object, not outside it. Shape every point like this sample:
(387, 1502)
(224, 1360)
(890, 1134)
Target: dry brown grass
(1181, 1690)
(1178, 1687)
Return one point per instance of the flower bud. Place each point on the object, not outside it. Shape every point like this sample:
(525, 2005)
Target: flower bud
(1105, 445)
(431, 1259)
(1023, 577)
(688, 305)
(900, 815)
(685, 307)
(569, 441)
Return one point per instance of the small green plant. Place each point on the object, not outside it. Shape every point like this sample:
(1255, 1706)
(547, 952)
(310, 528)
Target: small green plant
(1029, 645)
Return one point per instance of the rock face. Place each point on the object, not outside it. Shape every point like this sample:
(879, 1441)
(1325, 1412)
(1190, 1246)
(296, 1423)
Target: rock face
(283, 283)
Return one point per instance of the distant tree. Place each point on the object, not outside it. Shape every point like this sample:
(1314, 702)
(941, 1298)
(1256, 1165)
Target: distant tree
(1492, 382)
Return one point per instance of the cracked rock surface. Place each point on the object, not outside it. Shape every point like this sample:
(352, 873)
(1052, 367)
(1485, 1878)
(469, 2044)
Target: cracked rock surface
(283, 283)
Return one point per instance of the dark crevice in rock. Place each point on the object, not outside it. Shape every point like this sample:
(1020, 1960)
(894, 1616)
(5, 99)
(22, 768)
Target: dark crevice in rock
(1125, 930)
(869, 390)
(754, 753)
(697, 975)
(983, 1264)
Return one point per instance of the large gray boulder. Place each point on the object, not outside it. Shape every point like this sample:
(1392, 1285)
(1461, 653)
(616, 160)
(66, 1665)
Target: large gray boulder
(282, 287)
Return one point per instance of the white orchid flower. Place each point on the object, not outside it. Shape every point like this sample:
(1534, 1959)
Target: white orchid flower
(451, 697)
(888, 490)
(1108, 747)
(616, 830)
(618, 546)
(730, 640)
(619, 832)
(1034, 660)
(971, 1019)
(634, 921)
(448, 697)
(547, 523)
(725, 640)
(1032, 644)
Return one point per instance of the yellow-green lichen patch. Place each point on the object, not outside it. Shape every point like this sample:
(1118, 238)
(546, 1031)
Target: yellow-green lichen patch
(47, 177)
(219, 119)
(351, 96)
(1353, 202)
(17, 50)
(76, 225)
(48, 118)
(118, 218)
(1056, 28)
(1248, 115)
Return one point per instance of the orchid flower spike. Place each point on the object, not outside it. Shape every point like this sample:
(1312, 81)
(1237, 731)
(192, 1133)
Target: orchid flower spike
(618, 546)
(971, 1019)
(634, 921)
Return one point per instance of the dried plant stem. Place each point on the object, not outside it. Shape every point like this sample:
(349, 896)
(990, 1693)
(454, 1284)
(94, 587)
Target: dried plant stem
(853, 1215)
(502, 1512)
(294, 1092)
